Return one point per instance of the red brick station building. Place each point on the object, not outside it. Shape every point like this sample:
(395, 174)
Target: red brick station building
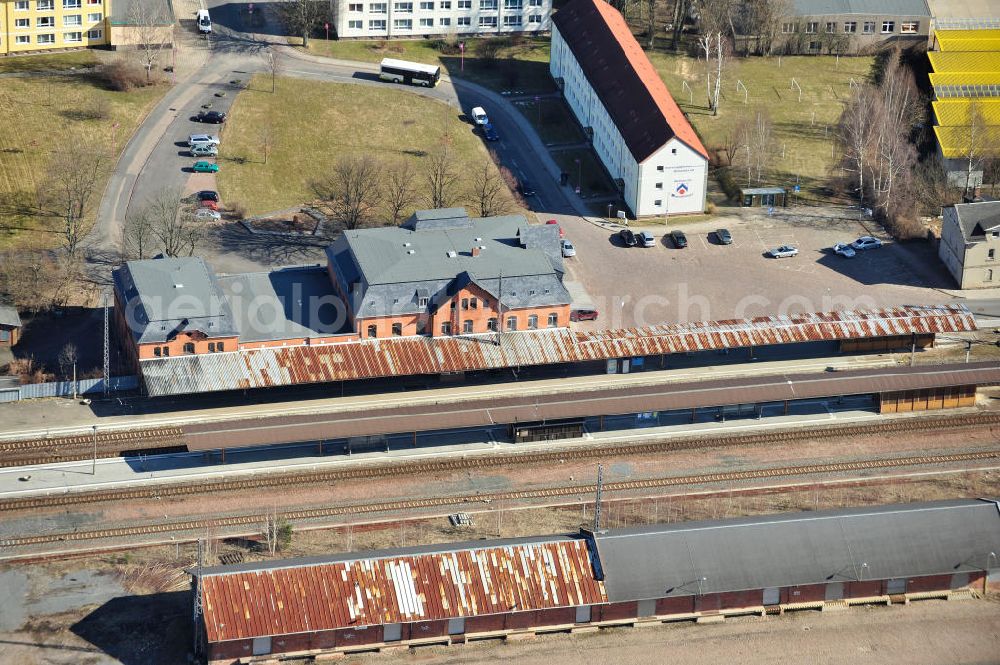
(441, 273)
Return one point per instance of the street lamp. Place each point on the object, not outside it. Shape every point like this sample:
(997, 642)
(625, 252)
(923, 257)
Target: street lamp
(864, 567)
(93, 468)
(461, 49)
(579, 175)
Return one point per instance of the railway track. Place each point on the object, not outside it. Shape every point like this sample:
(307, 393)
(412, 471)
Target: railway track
(962, 422)
(543, 493)
(32, 452)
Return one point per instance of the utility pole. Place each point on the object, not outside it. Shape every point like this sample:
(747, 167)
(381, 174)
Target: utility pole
(597, 498)
(107, 354)
(93, 468)
(197, 592)
(500, 309)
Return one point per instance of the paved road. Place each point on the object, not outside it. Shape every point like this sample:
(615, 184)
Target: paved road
(154, 158)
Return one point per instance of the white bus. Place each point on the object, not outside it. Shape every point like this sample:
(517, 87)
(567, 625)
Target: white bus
(413, 73)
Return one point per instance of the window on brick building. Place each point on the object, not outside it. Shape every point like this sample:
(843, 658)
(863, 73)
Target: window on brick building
(533, 322)
(511, 323)
(553, 320)
(220, 346)
(467, 326)
(188, 347)
(491, 325)
(156, 350)
(446, 328)
(211, 347)
(465, 303)
(397, 329)
(373, 330)
(166, 351)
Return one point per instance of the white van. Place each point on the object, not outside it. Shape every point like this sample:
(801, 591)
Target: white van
(203, 139)
(479, 116)
(204, 21)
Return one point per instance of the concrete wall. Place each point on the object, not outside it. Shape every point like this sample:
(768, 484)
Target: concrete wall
(380, 19)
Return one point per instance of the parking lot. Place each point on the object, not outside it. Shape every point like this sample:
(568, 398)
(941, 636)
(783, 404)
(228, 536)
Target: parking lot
(635, 286)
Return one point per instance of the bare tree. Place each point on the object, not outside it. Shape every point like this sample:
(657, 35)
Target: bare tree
(737, 137)
(761, 145)
(716, 16)
(442, 176)
(69, 190)
(351, 189)
(273, 64)
(715, 50)
(856, 133)
(301, 16)
(651, 23)
(172, 227)
(38, 281)
(489, 191)
(147, 25)
(677, 27)
(68, 357)
(266, 137)
(269, 529)
(975, 146)
(991, 169)
(138, 237)
(399, 192)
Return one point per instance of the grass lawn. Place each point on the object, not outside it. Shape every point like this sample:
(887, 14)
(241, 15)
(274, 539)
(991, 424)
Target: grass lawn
(51, 61)
(552, 119)
(518, 69)
(314, 123)
(802, 130)
(42, 113)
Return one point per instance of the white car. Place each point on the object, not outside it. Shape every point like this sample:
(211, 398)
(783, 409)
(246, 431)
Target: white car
(646, 239)
(568, 249)
(203, 139)
(866, 242)
(479, 116)
(785, 251)
(207, 214)
(844, 250)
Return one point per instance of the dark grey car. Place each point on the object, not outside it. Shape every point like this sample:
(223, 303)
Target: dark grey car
(725, 238)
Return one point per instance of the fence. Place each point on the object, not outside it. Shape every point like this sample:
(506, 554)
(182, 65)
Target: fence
(65, 388)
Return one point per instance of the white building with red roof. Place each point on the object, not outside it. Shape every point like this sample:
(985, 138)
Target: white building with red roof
(640, 134)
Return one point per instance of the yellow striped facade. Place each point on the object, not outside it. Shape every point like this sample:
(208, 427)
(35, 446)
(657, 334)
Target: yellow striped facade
(955, 110)
(967, 40)
(954, 139)
(965, 61)
(41, 25)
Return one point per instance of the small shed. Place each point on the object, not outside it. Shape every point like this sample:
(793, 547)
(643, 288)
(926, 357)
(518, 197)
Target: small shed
(754, 197)
(10, 326)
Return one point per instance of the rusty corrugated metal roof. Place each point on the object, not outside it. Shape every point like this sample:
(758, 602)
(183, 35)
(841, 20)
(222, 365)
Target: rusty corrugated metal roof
(398, 589)
(367, 359)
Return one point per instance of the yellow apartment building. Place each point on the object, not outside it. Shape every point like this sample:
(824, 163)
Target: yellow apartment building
(42, 25)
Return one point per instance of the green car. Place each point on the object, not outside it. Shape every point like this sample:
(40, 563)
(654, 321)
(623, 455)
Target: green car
(205, 167)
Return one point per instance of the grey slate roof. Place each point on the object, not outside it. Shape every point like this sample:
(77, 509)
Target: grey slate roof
(163, 296)
(868, 7)
(9, 317)
(431, 256)
(974, 219)
(800, 548)
(284, 303)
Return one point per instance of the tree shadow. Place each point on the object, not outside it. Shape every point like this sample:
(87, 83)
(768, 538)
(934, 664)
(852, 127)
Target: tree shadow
(154, 629)
(267, 249)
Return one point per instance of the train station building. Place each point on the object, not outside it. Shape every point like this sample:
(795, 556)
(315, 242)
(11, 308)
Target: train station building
(700, 571)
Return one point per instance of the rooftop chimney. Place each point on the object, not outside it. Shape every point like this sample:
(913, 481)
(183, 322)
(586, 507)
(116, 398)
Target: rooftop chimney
(475, 251)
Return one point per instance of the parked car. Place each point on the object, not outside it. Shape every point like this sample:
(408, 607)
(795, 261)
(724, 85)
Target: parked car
(628, 237)
(525, 188)
(646, 239)
(490, 133)
(783, 252)
(479, 116)
(205, 167)
(725, 238)
(844, 250)
(207, 214)
(214, 117)
(568, 249)
(208, 195)
(204, 150)
(583, 315)
(202, 139)
(553, 222)
(679, 239)
(211, 205)
(866, 242)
